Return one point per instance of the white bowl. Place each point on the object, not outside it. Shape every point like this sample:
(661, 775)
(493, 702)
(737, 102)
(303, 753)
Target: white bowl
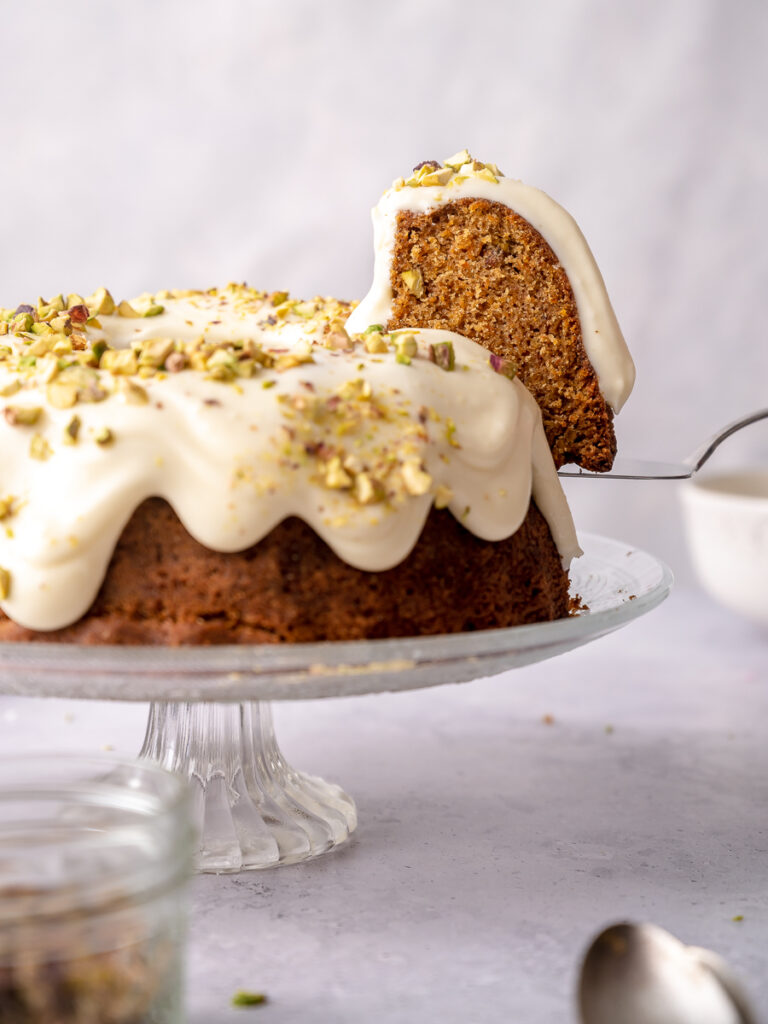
(726, 521)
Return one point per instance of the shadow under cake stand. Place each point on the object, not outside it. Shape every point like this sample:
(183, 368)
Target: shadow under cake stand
(210, 717)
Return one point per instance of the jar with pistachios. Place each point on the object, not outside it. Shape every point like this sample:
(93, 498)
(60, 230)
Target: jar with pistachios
(94, 856)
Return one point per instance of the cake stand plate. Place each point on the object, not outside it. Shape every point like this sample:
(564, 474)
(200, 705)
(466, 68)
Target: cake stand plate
(210, 718)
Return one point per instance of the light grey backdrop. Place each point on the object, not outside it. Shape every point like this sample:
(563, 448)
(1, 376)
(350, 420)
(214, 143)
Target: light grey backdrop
(186, 143)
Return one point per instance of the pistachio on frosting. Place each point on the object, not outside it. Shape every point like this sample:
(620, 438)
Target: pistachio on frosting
(242, 407)
(452, 171)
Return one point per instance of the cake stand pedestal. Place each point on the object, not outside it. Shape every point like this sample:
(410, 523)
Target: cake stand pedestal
(210, 717)
(253, 809)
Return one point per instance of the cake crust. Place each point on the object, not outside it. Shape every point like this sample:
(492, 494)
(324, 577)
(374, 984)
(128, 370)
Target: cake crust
(486, 273)
(163, 587)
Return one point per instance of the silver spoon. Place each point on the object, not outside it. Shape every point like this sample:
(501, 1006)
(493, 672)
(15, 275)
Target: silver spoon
(640, 974)
(643, 469)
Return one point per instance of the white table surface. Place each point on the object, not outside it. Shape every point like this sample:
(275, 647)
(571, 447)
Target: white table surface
(502, 823)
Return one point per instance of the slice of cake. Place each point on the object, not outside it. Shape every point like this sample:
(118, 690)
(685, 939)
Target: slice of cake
(460, 247)
(229, 466)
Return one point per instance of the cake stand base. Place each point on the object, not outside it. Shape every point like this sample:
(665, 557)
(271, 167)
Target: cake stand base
(253, 809)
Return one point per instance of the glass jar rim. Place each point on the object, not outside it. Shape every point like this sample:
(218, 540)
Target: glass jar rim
(86, 833)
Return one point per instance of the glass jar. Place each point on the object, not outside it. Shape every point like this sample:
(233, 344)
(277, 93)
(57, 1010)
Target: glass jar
(94, 856)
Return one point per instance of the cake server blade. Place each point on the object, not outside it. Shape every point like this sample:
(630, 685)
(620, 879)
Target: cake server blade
(645, 469)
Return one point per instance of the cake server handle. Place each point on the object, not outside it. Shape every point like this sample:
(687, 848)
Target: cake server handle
(644, 469)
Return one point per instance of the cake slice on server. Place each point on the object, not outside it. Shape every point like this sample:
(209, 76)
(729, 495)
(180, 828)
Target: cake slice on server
(460, 247)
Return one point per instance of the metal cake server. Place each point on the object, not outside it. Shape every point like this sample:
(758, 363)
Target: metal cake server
(643, 469)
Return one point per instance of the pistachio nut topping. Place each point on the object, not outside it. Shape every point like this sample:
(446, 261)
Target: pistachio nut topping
(240, 408)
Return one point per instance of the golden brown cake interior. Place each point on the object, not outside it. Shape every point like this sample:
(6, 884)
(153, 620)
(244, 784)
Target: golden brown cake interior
(163, 587)
(483, 271)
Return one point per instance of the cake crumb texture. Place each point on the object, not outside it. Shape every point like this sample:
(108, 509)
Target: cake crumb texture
(476, 267)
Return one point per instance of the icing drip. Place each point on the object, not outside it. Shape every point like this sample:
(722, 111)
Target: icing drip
(603, 341)
(278, 413)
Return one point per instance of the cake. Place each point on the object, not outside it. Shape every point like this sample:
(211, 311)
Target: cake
(460, 247)
(232, 466)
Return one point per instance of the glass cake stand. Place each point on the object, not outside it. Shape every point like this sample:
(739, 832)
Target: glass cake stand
(210, 716)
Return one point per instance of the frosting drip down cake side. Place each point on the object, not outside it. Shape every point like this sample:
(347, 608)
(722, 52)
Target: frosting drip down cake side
(229, 466)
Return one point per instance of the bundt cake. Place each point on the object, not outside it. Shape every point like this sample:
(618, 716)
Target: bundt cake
(229, 466)
(460, 247)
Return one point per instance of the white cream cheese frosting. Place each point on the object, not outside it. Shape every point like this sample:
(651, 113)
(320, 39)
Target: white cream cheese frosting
(241, 409)
(462, 178)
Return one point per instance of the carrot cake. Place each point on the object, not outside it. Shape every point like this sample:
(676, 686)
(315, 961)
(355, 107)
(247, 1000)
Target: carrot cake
(228, 466)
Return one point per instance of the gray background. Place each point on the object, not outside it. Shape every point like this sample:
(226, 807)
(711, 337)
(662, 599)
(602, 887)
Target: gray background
(187, 143)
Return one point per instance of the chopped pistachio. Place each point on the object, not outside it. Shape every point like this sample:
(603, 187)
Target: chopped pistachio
(73, 299)
(405, 348)
(414, 282)
(39, 448)
(22, 415)
(487, 175)
(291, 359)
(268, 383)
(336, 476)
(6, 508)
(176, 362)
(104, 436)
(61, 394)
(99, 348)
(376, 343)
(337, 338)
(243, 998)
(60, 324)
(367, 489)
(72, 430)
(119, 361)
(155, 352)
(133, 393)
(86, 381)
(47, 368)
(10, 388)
(5, 584)
(21, 322)
(125, 309)
(79, 313)
(458, 160)
(443, 355)
(374, 329)
(443, 496)
(3, 327)
(154, 310)
(503, 365)
(438, 177)
(416, 480)
(42, 346)
(40, 328)
(244, 367)
(101, 303)
(278, 298)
